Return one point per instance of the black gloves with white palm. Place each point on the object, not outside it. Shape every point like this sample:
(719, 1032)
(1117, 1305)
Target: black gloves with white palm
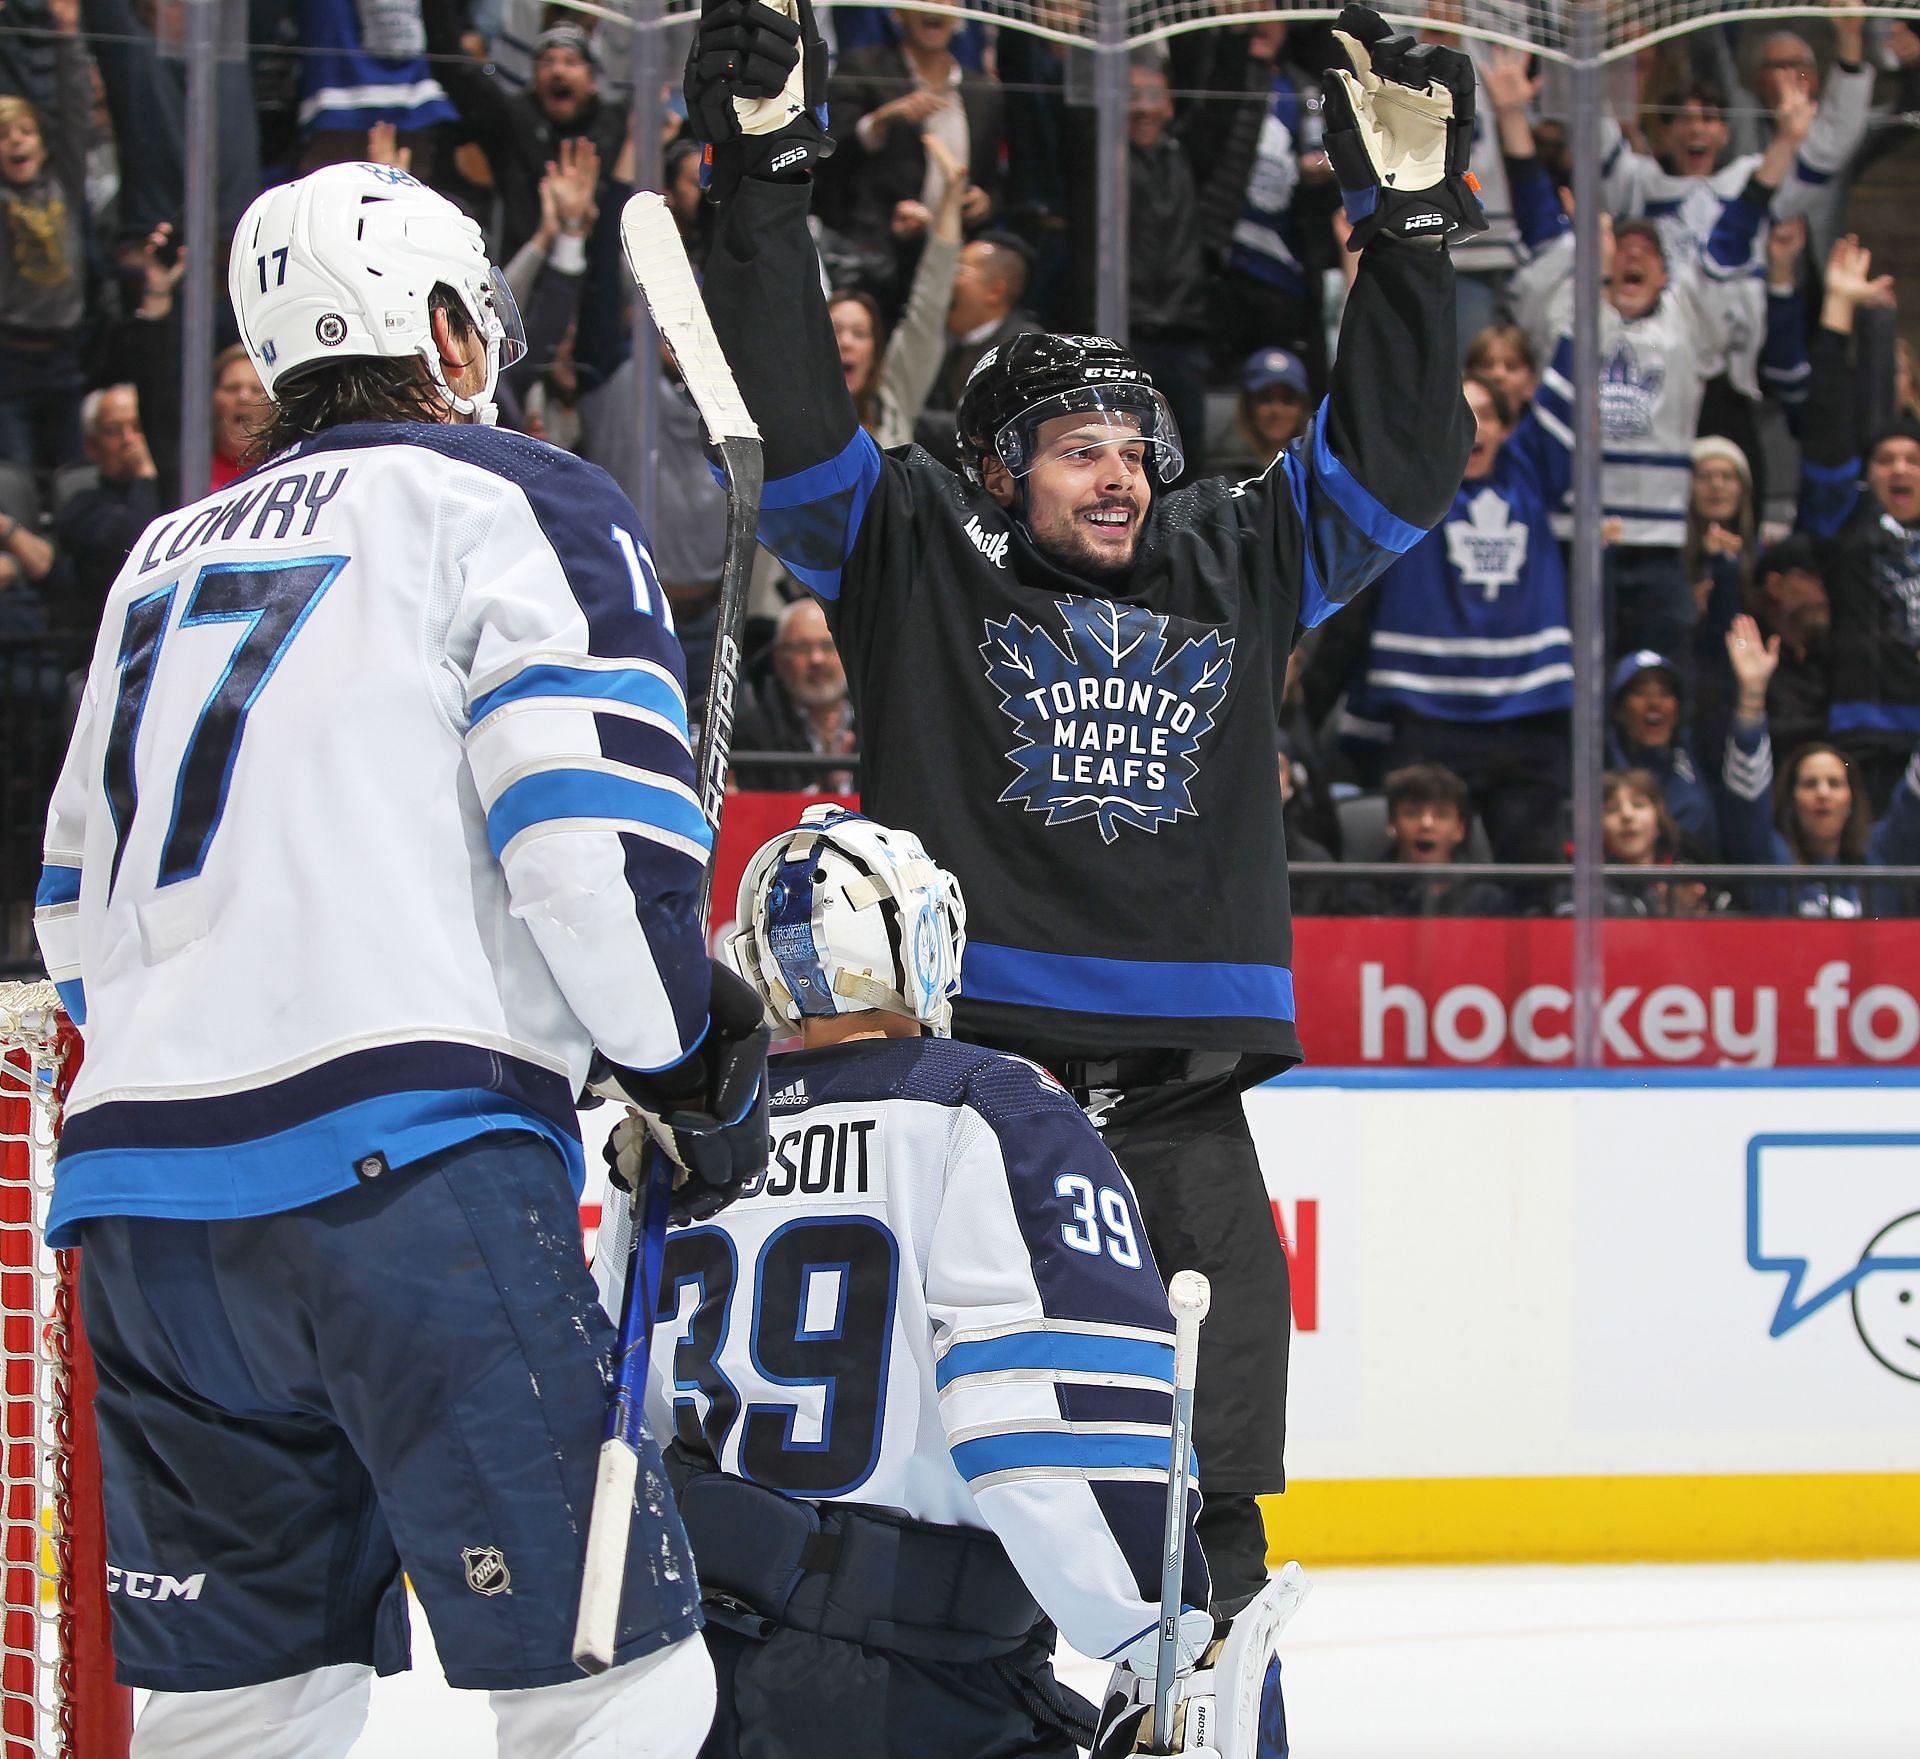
(1399, 133)
(756, 91)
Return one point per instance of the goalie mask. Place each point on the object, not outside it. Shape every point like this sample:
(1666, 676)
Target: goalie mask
(840, 914)
(341, 263)
(1035, 377)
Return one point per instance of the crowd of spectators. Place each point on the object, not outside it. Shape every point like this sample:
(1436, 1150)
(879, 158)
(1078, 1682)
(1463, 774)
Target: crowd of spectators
(1759, 411)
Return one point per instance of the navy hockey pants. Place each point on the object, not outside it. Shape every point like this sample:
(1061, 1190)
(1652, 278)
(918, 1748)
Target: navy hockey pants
(293, 1406)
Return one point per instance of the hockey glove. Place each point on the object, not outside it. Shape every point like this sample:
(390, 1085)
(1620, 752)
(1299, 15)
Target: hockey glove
(707, 1112)
(756, 91)
(1399, 130)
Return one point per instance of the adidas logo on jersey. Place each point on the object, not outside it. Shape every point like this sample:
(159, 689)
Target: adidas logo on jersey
(794, 1093)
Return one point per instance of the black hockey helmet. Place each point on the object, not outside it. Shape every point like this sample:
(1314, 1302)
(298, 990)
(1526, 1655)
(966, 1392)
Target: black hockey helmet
(1036, 376)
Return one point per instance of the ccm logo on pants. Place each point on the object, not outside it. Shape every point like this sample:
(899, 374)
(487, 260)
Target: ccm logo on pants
(147, 1585)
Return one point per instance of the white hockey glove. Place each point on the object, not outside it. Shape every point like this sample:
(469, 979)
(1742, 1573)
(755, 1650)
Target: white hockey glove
(1230, 1706)
(1399, 130)
(756, 91)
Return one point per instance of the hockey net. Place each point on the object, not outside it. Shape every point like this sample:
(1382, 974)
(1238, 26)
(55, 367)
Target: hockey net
(57, 1696)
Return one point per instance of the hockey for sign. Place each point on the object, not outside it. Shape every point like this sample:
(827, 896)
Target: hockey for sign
(657, 260)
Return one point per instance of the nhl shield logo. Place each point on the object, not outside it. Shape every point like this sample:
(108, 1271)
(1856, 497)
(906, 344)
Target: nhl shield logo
(487, 1571)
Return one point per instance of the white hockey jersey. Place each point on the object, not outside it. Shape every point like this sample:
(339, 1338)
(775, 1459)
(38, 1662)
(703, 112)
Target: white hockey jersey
(940, 1299)
(378, 815)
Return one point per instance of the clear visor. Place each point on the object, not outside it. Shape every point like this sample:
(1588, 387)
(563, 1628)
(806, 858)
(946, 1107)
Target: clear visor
(1085, 421)
(501, 319)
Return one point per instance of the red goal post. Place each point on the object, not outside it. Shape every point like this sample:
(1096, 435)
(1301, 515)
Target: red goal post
(57, 1694)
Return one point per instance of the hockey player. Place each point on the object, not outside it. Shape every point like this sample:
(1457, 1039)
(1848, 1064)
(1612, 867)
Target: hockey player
(378, 819)
(919, 1376)
(1074, 680)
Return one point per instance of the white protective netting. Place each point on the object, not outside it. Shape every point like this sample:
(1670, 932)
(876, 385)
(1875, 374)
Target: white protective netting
(1545, 26)
(36, 1305)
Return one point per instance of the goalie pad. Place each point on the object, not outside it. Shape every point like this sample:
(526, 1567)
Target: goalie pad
(1399, 133)
(1230, 1706)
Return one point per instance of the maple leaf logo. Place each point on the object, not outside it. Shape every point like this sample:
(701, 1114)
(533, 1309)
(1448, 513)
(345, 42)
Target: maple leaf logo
(1109, 724)
(1488, 548)
(1628, 393)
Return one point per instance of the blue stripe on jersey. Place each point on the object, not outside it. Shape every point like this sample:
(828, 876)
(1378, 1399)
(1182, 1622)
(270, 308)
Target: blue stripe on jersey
(1874, 717)
(1052, 1450)
(73, 997)
(1144, 988)
(1382, 527)
(1057, 1353)
(551, 795)
(634, 686)
(1811, 174)
(287, 1170)
(58, 885)
(1846, 474)
(811, 520)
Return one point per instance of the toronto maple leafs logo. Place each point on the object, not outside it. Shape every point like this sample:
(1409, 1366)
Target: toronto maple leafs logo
(1488, 548)
(1628, 393)
(1110, 723)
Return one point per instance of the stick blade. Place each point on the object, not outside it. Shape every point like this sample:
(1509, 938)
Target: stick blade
(657, 260)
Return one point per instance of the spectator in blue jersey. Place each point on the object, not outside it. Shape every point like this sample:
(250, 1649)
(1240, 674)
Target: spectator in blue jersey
(1470, 659)
(1501, 356)
(1268, 416)
(1648, 699)
(520, 131)
(1266, 189)
(1873, 557)
(1429, 817)
(1816, 814)
(366, 63)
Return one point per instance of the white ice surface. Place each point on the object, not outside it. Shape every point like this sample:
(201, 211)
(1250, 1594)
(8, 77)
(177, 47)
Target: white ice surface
(1763, 1661)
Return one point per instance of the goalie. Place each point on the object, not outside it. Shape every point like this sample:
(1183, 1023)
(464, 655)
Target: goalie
(919, 1377)
(1071, 681)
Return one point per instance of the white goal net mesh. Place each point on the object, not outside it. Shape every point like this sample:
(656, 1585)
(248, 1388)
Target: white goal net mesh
(36, 1313)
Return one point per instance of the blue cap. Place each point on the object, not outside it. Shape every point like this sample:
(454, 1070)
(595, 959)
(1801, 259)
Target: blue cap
(1273, 366)
(1646, 660)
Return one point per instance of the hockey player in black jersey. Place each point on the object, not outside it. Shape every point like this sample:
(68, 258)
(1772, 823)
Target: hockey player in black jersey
(1070, 681)
(918, 1378)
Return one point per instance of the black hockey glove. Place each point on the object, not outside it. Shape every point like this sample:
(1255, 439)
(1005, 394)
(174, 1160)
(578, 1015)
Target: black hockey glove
(1399, 130)
(708, 1112)
(756, 91)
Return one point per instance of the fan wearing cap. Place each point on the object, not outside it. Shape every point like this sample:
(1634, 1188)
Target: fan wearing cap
(1873, 558)
(1268, 416)
(520, 128)
(1648, 693)
(1068, 676)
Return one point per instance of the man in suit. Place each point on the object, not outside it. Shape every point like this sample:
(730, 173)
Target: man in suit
(984, 312)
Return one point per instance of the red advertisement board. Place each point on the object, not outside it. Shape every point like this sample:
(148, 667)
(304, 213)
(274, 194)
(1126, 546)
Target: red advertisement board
(1390, 992)
(1401, 992)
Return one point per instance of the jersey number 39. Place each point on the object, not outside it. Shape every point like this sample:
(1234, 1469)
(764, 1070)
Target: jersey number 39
(821, 1319)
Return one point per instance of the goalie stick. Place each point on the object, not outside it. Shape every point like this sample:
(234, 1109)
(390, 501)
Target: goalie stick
(657, 261)
(1189, 1296)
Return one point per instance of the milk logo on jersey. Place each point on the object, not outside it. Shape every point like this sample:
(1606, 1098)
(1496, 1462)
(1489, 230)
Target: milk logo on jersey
(1109, 723)
(991, 544)
(1628, 393)
(487, 1571)
(1488, 548)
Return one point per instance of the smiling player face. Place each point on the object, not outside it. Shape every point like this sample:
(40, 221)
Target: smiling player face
(1886, 1304)
(1088, 492)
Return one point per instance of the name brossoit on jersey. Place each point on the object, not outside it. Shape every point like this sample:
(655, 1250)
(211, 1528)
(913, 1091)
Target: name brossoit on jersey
(1096, 767)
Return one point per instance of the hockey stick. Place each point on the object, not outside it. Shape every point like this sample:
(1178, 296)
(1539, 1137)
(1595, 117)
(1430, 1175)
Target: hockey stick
(657, 261)
(1188, 1296)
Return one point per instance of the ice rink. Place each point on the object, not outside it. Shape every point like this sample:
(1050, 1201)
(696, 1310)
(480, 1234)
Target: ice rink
(1763, 1661)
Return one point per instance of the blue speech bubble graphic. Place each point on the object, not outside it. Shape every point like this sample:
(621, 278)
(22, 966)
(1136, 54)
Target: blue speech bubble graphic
(1880, 1187)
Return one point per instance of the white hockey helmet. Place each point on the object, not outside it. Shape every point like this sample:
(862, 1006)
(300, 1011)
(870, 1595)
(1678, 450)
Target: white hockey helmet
(841, 914)
(340, 263)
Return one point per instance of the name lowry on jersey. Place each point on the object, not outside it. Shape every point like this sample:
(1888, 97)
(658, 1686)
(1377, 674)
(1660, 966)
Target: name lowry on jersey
(1109, 721)
(266, 509)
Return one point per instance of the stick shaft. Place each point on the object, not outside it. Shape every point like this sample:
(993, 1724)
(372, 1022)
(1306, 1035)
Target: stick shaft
(1188, 1297)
